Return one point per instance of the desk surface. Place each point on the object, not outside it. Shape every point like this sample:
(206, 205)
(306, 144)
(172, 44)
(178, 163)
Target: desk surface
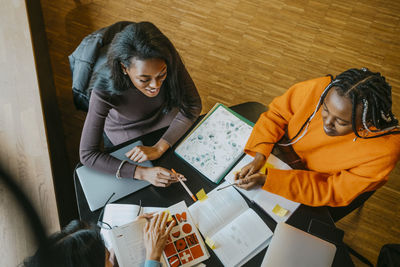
(164, 197)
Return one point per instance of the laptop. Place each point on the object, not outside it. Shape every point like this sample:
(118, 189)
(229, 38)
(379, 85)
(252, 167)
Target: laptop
(99, 186)
(292, 247)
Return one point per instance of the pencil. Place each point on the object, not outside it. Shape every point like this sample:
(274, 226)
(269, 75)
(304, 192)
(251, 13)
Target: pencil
(184, 185)
(226, 186)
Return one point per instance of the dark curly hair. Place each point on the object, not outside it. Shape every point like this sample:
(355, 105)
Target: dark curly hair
(143, 40)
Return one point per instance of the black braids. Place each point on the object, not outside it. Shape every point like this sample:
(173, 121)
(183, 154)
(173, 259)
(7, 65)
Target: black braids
(353, 114)
(361, 85)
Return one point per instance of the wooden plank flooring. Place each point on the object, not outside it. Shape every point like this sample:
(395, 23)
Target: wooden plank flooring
(239, 51)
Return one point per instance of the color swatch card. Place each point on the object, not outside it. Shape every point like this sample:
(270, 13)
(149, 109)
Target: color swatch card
(185, 246)
(216, 143)
(278, 207)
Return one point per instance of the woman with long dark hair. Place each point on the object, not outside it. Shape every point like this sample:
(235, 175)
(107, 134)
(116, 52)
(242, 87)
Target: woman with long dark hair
(144, 86)
(342, 129)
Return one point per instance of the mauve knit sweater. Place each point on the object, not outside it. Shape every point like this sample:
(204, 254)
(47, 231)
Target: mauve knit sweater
(129, 115)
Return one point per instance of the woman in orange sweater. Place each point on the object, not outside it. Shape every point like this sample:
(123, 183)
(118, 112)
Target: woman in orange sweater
(344, 132)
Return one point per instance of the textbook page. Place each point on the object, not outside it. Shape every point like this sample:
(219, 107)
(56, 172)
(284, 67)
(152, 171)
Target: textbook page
(120, 214)
(225, 219)
(128, 243)
(266, 200)
(217, 210)
(236, 241)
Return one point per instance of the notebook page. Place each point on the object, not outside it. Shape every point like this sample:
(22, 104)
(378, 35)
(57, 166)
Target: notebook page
(217, 210)
(230, 177)
(120, 214)
(117, 215)
(129, 245)
(216, 143)
(266, 200)
(240, 238)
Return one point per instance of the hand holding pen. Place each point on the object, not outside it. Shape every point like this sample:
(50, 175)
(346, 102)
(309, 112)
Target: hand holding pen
(157, 176)
(249, 176)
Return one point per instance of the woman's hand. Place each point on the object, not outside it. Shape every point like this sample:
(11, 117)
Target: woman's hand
(252, 181)
(248, 177)
(143, 153)
(146, 216)
(157, 176)
(156, 235)
(251, 168)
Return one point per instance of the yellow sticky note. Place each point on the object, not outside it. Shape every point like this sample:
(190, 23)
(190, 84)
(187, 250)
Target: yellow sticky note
(201, 195)
(266, 165)
(169, 216)
(210, 243)
(278, 210)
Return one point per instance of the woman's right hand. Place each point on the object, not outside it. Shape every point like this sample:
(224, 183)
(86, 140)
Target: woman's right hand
(156, 235)
(251, 168)
(157, 176)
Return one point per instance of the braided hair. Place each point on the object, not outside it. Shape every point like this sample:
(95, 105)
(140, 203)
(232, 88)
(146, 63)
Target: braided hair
(362, 87)
(372, 91)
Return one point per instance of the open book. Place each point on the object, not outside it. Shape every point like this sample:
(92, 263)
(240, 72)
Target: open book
(279, 208)
(233, 230)
(216, 143)
(184, 247)
(117, 215)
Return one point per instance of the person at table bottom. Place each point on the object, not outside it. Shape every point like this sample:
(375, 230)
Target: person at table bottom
(79, 245)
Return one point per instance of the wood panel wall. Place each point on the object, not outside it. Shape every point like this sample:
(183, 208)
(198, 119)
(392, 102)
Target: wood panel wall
(253, 50)
(24, 150)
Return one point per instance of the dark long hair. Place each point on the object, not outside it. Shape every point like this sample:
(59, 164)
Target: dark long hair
(77, 245)
(143, 40)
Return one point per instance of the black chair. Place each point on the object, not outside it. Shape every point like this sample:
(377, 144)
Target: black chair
(338, 213)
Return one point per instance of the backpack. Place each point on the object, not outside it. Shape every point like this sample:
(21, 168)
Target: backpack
(87, 58)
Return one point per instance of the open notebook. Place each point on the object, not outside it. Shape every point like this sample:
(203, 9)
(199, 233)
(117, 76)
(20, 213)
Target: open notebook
(233, 230)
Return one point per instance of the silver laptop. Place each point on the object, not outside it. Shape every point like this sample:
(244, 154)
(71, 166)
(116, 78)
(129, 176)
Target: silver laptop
(99, 186)
(292, 247)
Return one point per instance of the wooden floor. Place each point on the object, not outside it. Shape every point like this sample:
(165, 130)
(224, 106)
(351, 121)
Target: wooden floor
(239, 51)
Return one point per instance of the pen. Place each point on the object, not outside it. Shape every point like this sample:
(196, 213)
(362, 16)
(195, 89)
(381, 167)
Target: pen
(226, 186)
(184, 186)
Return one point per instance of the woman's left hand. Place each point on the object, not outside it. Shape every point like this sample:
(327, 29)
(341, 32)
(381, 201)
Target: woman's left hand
(143, 153)
(156, 234)
(252, 181)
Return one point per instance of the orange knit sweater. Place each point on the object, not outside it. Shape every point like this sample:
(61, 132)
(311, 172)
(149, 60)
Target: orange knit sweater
(340, 169)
